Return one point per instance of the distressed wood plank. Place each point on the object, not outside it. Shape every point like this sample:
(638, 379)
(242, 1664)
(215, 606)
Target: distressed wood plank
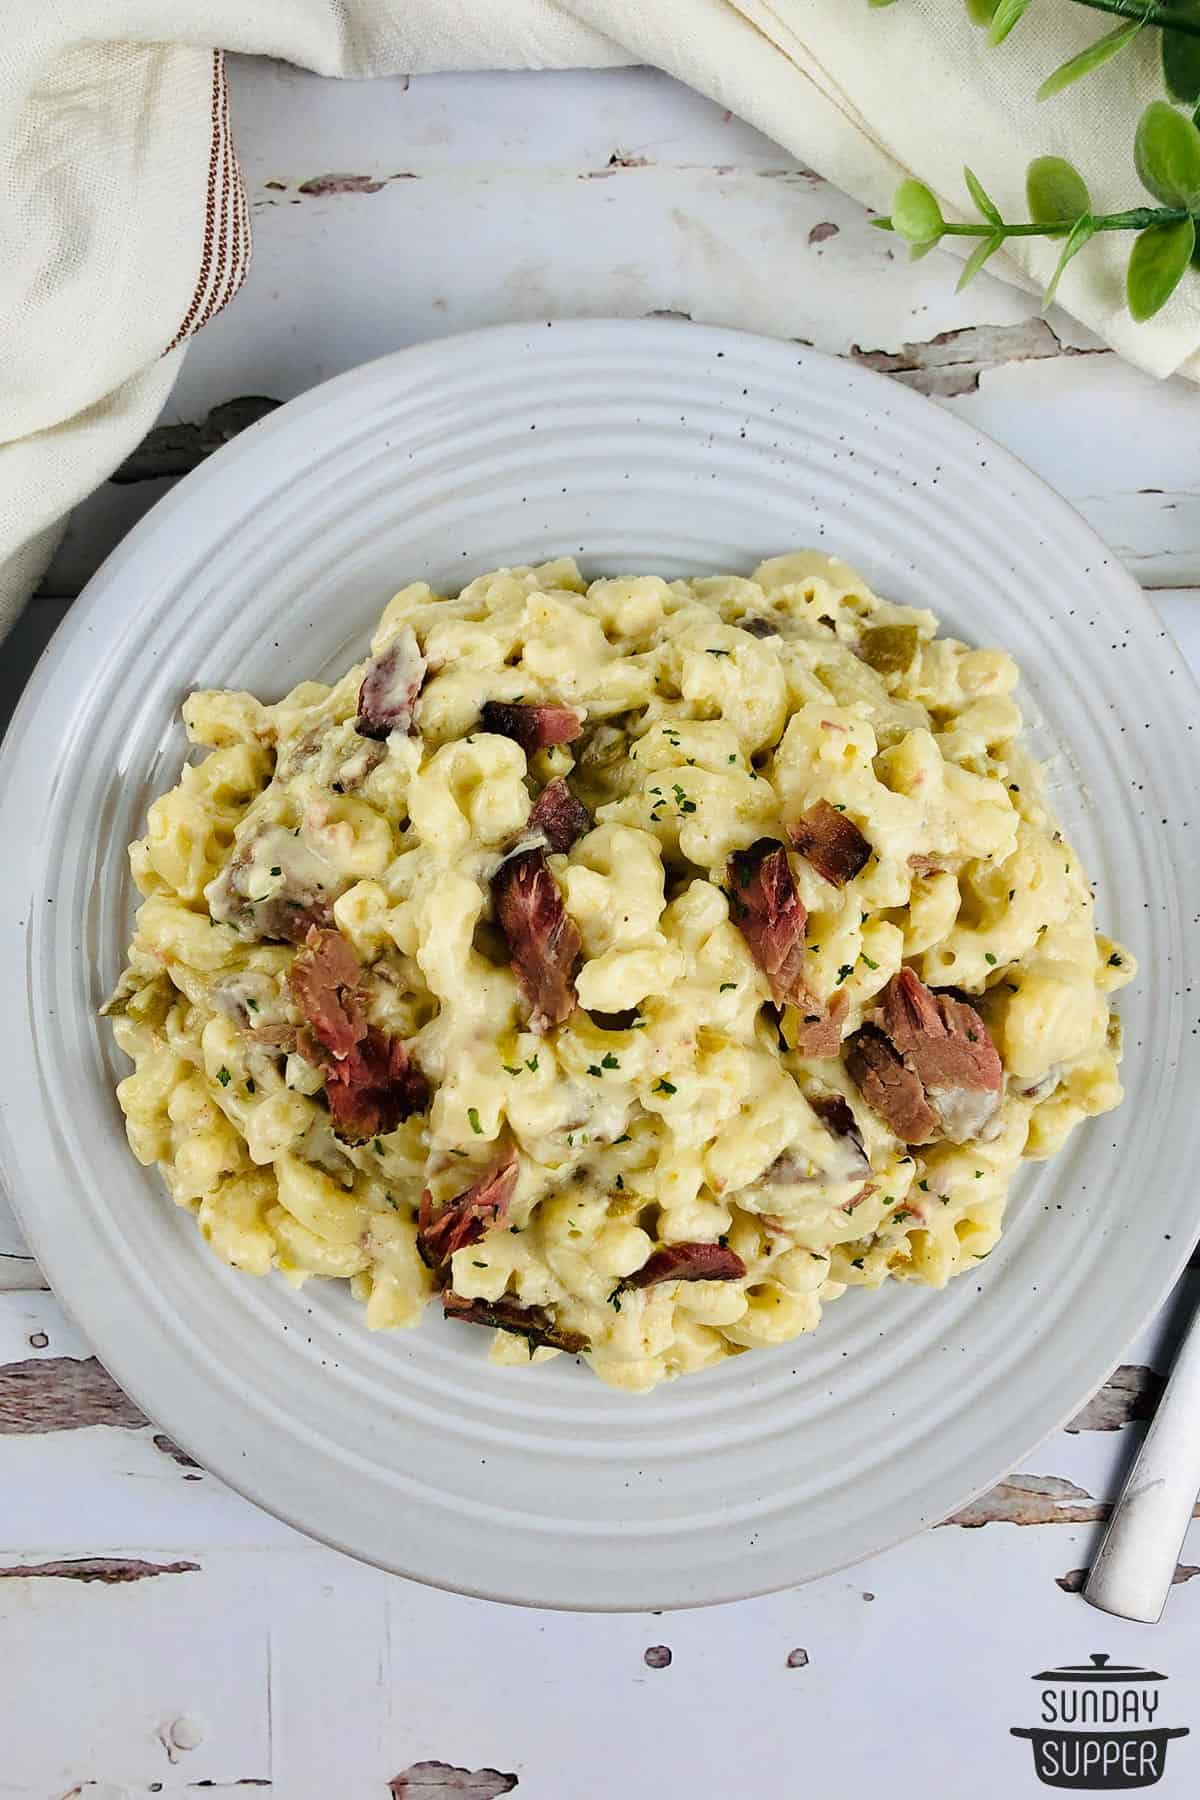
(108, 1569)
(667, 205)
(1073, 1581)
(19, 1273)
(61, 1393)
(1130, 1395)
(434, 1780)
(129, 1675)
(18, 658)
(22, 648)
(323, 1678)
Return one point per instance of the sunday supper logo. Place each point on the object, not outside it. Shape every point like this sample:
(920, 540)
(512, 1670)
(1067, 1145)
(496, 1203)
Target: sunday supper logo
(1099, 1726)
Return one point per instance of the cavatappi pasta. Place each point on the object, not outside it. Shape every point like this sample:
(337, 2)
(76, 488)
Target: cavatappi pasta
(629, 1081)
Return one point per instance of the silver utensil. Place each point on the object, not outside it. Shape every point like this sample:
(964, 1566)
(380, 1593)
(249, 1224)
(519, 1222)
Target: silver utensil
(1135, 1565)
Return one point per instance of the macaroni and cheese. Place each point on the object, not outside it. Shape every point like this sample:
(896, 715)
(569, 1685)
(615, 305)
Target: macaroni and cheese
(634, 965)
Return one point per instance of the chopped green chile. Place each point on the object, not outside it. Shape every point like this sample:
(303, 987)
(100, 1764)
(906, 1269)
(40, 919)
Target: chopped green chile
(889, 649)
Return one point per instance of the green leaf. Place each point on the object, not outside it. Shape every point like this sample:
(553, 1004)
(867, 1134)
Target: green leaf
(1056, 191)
(916, 214)
(1077, 237)
(881, 2)
(1166, 152)
(1181, 57)
(981, 11)
(1157, 264)
(917, 251)
(983, 200)
(1006, 15)
(1094, 57)
(984, 248)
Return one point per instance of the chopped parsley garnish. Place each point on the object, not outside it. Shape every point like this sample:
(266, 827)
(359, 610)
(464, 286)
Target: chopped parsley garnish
(514, 1229)
(473, 1116)
(609, 1061)
(726, 985)
(595, 1069)
(923, 1185)
(224, 1077)
(623, 1139)
(1013, 788)
(713, 652)
(478, 1265)
(509, 1070)
(277, 870)
(620, 1183)
(723, 1241)
(1114, 961)
(250, 1087)
(846, 970)
(531, 1065)
(252, 1005)
(839, 806)
(972, 1036)
(989, 959)
(378, 1146)
(731, 759)
(979, 1174)
(614, 1299)
(863, 957)
(665, 1087)
(856, 1262)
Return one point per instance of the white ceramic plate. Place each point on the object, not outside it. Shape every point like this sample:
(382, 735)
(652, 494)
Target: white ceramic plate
(638, 447)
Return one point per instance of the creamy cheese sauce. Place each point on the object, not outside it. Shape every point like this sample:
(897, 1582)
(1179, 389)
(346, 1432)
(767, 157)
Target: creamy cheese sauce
(668, 1108)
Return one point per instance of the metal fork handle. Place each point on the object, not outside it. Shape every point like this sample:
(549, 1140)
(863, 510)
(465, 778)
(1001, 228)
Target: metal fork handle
(1135, 1564)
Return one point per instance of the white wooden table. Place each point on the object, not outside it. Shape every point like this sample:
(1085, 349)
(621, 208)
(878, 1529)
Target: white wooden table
(160, 1635)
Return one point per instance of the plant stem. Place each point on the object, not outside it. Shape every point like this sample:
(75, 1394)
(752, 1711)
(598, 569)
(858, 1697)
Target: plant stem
(1136, 220)
(1149, 13)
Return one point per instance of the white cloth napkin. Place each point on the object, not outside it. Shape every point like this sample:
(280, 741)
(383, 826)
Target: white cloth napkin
(123, 225)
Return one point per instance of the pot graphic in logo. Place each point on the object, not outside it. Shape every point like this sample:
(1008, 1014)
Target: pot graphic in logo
(1100, 1727)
